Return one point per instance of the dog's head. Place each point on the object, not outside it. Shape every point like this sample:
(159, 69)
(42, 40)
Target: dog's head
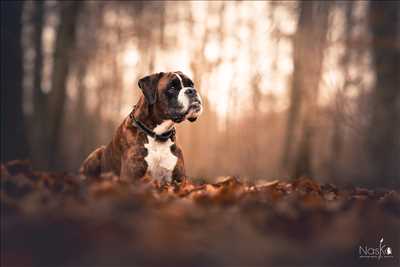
(172, 96)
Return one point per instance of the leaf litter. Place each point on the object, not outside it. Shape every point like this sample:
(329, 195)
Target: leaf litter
(60, 219)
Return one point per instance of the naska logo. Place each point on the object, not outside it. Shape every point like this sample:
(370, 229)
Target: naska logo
(382, 251)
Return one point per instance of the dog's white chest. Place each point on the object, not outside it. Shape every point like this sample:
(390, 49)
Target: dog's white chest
(160, 160)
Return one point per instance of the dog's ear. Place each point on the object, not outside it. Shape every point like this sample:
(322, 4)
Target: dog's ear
(148, 85)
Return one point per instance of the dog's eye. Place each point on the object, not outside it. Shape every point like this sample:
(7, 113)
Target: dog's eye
(172, 89)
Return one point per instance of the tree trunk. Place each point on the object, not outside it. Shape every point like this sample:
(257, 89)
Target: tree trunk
(313, 21)
(38, 63)
(338, 113)
(38, 128)
(64, 45)
(299, 44)
(13, 134)
(383, 140)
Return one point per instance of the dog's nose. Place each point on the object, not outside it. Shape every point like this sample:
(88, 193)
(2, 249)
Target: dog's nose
(190, 92)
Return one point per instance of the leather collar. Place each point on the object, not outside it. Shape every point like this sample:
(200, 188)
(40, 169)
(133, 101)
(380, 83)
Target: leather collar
(159, 137)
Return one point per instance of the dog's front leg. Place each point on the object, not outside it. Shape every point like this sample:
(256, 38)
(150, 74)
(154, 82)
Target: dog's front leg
(133, 166)
(178, 174)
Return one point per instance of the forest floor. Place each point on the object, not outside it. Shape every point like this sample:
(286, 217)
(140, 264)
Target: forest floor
(58, 219)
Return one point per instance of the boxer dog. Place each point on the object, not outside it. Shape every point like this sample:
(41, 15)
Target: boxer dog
(144, 144)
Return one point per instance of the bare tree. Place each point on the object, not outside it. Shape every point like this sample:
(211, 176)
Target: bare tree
(64, 45)
(339, 99)
(312, 24)
(383, 140)
(39, 96)
(13, 134)
(40, 114)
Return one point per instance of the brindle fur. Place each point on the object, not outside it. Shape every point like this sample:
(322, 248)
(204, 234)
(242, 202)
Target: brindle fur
(125, 154)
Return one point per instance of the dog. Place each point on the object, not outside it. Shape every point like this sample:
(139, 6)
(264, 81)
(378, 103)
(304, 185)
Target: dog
(144, 144)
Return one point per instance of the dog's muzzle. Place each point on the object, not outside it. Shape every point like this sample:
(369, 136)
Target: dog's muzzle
(191, 105)
(195, 105)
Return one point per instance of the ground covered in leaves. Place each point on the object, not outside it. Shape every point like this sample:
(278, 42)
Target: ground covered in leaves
(59, 219)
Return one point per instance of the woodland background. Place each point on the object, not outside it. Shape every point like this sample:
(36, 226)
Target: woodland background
(290, 88)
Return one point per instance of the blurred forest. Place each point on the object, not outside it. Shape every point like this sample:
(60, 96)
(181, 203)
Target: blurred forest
(290, 88)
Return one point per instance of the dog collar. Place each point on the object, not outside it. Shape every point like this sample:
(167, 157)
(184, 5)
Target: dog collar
(159, 137)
